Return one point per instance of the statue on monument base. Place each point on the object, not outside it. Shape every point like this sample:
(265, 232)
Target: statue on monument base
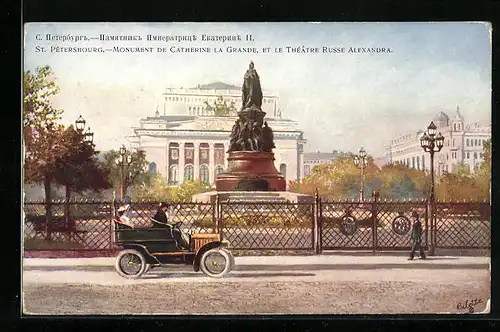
(248, 133)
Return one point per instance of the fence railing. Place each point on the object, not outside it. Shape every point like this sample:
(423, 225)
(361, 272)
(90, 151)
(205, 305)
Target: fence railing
(319, 225)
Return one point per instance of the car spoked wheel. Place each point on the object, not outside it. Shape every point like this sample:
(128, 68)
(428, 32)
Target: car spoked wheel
(215, 262)
(130, 264)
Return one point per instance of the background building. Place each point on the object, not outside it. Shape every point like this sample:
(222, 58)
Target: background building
(313, 159)
(192, 101)
(463, 144)
(187, 142)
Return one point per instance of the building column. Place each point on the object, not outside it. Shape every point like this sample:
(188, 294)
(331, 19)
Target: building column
(181, 163)
(196, 161)
(167, 158)
(211, 163)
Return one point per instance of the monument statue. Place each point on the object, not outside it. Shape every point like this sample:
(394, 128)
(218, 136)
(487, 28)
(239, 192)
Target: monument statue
(252, 92)
(247, 133)
(250, 156)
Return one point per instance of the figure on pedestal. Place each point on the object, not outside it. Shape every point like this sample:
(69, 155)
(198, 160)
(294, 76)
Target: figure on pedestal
(267, 138)
(252, 92)
(233, 138)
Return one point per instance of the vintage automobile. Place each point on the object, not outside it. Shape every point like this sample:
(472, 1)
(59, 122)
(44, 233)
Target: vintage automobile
(147, 248)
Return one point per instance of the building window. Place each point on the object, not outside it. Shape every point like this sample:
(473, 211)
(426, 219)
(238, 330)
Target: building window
(204, 177)
(173, 174)
(307, 170)
(152, 168)
(188, 172)
(475, 155)
(283, 170)
(468, 155)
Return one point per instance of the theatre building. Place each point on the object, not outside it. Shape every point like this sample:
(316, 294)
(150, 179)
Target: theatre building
(188, 141)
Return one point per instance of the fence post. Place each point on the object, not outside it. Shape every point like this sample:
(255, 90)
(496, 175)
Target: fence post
(432, 245)
(215, 214)
(315, 223)
(113, 207)
(374, 221)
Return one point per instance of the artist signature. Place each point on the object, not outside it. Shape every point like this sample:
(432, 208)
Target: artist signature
(469, 305)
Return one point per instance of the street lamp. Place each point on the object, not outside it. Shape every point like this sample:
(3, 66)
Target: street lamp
(432, 143)
(124, 160)
(361, 162)
(80, 124)
(88, 137)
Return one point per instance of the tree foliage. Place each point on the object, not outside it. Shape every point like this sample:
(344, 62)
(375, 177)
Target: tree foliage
(341, 180)
(185, 192)
(134, 173)
(78, 170)
(38, 88)
(157, 189)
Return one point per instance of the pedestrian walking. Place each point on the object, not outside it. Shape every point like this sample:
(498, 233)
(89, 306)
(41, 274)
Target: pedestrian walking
(416, 234)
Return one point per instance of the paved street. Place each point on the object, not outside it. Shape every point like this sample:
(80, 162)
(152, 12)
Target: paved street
(325, 284)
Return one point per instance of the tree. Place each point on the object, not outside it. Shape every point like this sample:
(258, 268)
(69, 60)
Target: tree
(220, 107)
(155, 189)
(402, 182)
(78, 169)
(38, 88)
(185, 192)
(338, 180)
(42, 136)
(134, 173)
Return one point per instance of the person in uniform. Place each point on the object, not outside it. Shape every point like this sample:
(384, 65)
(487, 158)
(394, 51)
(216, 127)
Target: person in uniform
(416, 234)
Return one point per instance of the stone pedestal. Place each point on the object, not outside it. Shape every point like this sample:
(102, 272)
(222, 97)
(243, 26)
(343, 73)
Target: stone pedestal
(250, 171)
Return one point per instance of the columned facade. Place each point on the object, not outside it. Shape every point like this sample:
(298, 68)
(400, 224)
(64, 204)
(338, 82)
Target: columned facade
(189, 141)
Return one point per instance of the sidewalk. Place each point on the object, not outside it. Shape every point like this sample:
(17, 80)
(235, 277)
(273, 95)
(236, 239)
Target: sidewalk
(340, 261)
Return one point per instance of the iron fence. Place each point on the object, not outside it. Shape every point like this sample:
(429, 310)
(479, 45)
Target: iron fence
(319, 225)
(463, 225)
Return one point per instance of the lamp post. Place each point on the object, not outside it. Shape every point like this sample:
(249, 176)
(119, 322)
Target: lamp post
(361, 162)
(124, 160)
(80, 124)
(432, 143)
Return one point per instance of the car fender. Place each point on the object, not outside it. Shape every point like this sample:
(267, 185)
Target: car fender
(143, 249)
(205, 248)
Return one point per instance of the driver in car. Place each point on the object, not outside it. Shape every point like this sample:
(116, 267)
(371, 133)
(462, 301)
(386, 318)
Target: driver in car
(161, 216)
(160, 220)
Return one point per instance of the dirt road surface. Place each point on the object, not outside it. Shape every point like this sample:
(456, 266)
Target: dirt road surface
(261, 285)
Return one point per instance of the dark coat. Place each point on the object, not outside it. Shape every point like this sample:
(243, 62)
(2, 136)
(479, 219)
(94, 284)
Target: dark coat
(416, 231)
(161, 216)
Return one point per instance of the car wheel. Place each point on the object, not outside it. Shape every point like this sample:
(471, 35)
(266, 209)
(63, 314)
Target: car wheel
(130, 264)
(231, 257)
(215, 262)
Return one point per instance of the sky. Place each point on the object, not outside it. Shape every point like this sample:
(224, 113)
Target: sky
(342, 101)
